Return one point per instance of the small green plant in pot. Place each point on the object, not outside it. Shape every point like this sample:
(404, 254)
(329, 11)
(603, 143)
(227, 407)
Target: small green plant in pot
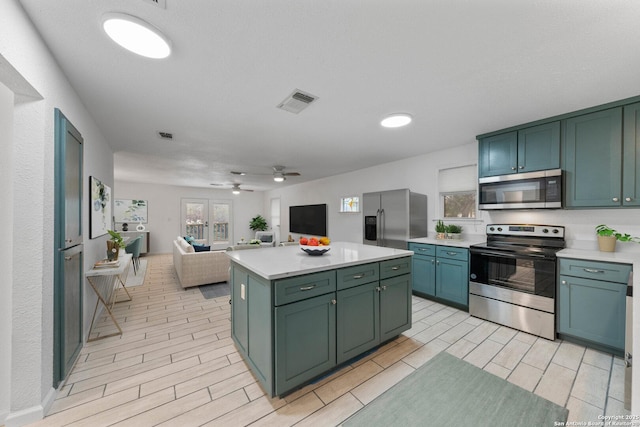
(607, 238)
(454, 231)
(441, 230)
(258, 223)
(114, 245)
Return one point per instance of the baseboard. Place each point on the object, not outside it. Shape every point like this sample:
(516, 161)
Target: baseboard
(30, 415)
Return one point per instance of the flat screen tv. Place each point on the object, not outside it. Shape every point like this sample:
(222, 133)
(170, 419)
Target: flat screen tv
(308, 219)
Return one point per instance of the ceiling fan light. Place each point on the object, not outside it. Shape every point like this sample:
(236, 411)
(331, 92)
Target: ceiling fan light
(396, 120)
(136, 35)
(235, 191)
(278, 177)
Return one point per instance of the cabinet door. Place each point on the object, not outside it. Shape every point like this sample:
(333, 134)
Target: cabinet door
(539, 147)
(424, 274)
(305, 341)
(498, 154)
(592, 310)
(452, 280)
(358, 320)
(631, 158)
(593, 160)
(395, 306)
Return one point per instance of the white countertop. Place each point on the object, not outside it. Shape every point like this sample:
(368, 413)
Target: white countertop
(596, 255)
(464, 243)
(285, 261)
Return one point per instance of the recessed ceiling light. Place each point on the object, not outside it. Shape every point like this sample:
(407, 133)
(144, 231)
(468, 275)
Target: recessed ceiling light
(396, 120)
(136, 35)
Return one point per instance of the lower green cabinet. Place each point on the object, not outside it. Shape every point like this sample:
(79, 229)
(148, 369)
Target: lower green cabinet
(441, 272)
(452, 280)
(358, 313)
(395, 306)
(288, 334)
(305, 340)
(591, 302)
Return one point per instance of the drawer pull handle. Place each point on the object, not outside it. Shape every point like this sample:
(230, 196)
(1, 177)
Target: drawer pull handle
(452, 253)
(307, 288)
(395, 267)
(334, 302)
(358, 276)
(423, 249)
(593, 270)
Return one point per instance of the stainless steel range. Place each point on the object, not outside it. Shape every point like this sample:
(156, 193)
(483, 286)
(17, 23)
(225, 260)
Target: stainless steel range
(513, 277)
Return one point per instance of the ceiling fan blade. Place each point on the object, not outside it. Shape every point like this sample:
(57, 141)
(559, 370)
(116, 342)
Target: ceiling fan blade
(291, 173)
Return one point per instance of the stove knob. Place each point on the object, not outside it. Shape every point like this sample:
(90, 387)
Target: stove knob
(556, 231)
(545, 230)
(492, 229)
(499, 228)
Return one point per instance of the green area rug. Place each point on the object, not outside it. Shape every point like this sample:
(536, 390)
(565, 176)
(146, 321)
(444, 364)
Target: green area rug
(447, 391)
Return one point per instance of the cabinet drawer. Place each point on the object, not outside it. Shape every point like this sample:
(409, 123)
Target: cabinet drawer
(303, 287)
(357, 275)
(422, 249)
(451, 252)
(607, 271)
(395, 267)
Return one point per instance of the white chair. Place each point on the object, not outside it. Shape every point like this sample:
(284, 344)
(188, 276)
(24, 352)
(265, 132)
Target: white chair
(268, 238)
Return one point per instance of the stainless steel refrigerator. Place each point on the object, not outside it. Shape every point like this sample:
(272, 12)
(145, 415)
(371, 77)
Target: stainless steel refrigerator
(393, 217)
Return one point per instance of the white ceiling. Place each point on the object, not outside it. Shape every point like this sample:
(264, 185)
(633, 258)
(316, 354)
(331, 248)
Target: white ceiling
(460, 67)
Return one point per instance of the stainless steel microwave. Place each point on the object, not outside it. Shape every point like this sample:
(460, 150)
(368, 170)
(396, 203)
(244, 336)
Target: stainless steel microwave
(531, 190)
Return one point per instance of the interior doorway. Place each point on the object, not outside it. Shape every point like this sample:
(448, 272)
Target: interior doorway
(208, 221)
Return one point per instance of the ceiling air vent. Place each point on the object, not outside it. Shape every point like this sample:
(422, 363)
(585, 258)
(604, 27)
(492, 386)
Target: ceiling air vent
(165, 135)
(297, 101)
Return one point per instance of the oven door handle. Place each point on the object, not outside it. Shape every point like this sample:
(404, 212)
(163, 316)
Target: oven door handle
(501, 254)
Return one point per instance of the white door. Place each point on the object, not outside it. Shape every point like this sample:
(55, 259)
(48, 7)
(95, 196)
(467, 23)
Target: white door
(208, 221)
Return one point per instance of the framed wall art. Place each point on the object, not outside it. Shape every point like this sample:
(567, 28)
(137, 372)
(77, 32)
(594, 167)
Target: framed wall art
(100, 209)
(130, 210)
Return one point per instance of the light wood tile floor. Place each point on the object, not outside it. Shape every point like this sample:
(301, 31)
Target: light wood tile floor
(176, 365)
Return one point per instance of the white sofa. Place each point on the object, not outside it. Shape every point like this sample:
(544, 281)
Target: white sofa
(199, 268)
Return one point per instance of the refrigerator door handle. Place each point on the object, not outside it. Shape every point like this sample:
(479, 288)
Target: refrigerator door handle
(381, 227)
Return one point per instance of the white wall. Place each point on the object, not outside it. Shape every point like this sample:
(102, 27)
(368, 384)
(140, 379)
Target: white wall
(164, 203)
(27, 63)
(6, 264)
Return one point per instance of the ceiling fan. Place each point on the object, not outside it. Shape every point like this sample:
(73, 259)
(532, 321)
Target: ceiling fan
(235, 188)
(279, 174)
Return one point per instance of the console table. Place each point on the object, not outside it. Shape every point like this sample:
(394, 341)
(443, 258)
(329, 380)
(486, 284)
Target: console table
(105, 282)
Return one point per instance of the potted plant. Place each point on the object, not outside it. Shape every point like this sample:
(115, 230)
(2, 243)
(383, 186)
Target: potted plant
(454, 231)
(441, 230)
(114, 245)
(258, 223)
(607, 238)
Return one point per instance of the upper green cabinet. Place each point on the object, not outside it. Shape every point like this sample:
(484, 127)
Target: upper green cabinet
(602, 158)
(526, 150)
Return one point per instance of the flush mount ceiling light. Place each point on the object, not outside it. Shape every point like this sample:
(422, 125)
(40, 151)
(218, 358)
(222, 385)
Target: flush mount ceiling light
(396, 120)
(136, 35)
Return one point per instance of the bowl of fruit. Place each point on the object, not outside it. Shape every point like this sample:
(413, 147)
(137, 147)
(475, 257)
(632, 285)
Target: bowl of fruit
(315, 246)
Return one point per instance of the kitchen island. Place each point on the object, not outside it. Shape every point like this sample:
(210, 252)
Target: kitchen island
(296, 316)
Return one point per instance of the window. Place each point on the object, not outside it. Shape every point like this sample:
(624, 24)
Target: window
(457, 188)
(350, 204)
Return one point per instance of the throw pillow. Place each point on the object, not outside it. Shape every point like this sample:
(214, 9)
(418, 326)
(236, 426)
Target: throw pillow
(201, 248)
(189, 239)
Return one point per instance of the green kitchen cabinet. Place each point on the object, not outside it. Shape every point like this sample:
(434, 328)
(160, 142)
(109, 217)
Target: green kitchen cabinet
(252, 321)
(593, 159)
(293, 329)
(305, 340)
(441, 272)
(631, 156)
(358, 314)
(395, 306)
(423, 269)
(591, 302)
(529, 149)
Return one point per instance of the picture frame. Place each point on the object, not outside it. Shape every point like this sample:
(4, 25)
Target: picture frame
(131, 211)
(99, 208)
